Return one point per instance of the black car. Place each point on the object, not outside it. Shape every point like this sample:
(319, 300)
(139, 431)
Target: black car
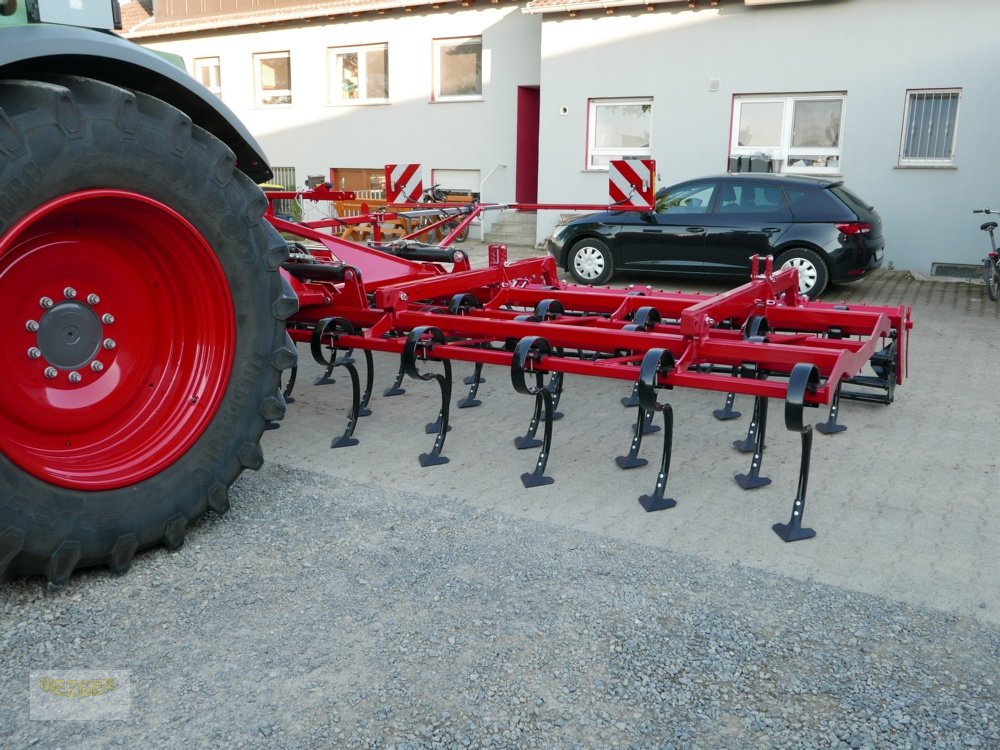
(710, 227)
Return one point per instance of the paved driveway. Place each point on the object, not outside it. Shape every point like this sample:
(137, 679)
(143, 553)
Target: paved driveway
(904, 502)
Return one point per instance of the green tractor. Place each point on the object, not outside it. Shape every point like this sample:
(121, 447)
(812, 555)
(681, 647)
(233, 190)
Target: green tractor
(142, 323)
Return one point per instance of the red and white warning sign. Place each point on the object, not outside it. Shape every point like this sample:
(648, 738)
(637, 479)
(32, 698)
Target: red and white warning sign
(403, 183)
(631, 182)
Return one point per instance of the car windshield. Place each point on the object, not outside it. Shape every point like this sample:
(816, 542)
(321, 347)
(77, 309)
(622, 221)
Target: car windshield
(691, 198)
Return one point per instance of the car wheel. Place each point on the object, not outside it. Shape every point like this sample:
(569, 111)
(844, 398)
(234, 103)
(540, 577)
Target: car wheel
(813, 276)
(590, 262)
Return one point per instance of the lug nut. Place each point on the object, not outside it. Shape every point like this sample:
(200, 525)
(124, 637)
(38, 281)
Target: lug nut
(93, 299)
(31, 325)
(96, 366)
(34, 352)
(45, 302)
(109, 344)
(75, 377)
(50, 372)
(108, 319)
(69, 292)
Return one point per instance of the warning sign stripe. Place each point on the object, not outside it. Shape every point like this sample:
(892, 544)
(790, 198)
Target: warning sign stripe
(630, 182)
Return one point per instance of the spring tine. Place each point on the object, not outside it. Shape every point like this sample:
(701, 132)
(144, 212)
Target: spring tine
(348, 439)
(753, 479)
(830, 426)
(475, 377)
(633, 398)
(657, 501)
(537, 477)
(325, 378)
(632, 461)
(655, 363)
(408, 364)
(748, 444)
(323, 345)
(395, 389)
(555, 386)
(531, 348)
(727, 412)
(473, 382)
(287, 391)
(648, 427)
(528, 440)
(369, 385)
(804, 377)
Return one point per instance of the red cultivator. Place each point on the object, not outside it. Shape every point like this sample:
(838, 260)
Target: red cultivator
(762, 339)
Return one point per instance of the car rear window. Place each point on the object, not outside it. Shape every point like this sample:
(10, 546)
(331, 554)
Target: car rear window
(859, 206)
(815, 204)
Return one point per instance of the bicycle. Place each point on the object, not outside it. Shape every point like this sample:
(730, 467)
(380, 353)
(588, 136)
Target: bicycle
(991, 263)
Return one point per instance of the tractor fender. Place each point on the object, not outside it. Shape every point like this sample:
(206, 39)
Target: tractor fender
(46, 49)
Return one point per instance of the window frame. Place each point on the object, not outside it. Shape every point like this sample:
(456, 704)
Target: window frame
(333, 77)
(785, 150)
(197, 68)
(644, 152)
(921, 161)
(436, 47)
(259, 92)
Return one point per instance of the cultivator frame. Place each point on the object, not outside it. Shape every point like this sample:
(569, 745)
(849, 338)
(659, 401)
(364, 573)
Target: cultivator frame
(761, 339)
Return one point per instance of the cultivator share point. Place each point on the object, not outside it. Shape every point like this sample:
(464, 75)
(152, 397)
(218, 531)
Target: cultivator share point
(151, 308)
(762, 339)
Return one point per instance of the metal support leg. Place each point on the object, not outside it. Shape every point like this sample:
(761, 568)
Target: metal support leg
(753, 479)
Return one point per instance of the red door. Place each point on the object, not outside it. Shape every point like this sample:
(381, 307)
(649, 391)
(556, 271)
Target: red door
(526, 168)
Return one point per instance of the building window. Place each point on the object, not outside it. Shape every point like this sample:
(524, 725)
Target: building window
(794, 133)
(458, 69)
(930, 127)
(359, 75)
(272, 78)
(208, 71)
(618, 129)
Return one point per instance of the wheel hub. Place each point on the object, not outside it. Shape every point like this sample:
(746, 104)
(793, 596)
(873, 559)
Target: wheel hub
(69, 335)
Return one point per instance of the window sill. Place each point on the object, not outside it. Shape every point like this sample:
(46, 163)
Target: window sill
(456, 99)
(360, 103)
(925, 166)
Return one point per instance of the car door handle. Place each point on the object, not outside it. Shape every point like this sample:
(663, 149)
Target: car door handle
(696, 230)
(771, 230)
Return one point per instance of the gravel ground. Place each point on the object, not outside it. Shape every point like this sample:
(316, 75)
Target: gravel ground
(319, 613)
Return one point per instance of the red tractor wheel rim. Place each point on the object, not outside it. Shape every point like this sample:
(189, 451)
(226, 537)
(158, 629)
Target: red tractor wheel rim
(118, 335)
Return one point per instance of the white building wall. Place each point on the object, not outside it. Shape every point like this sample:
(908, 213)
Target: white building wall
(313, 136)
(873, 49)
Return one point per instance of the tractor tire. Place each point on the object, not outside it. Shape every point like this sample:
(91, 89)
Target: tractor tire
(142, 326)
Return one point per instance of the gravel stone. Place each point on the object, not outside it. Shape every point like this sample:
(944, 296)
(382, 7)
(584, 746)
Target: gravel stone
(319, 614)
